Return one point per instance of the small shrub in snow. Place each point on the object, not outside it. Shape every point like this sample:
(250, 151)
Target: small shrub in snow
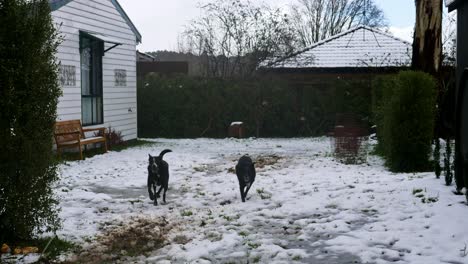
(114, 138)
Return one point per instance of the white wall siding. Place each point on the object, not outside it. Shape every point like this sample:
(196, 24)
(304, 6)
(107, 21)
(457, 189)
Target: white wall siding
(120, 109)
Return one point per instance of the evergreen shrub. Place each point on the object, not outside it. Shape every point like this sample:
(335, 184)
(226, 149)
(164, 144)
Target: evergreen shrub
(407, 121)
(29, 93)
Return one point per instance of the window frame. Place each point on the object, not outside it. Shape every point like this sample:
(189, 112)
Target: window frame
(95, 79)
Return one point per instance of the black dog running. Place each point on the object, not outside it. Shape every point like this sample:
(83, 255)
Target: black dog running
(158, 175)
(245, 171)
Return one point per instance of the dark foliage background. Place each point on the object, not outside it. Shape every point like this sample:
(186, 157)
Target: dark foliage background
(28, 100)
(190, 107)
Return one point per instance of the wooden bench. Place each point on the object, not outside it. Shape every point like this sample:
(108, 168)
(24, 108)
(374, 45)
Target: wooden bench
(70, 134)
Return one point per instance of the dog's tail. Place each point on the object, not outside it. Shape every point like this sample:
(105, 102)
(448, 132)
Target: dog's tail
(164, 152)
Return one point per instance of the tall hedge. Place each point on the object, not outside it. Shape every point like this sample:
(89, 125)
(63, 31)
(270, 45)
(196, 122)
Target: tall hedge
(407, 121)
(28, 100)
(382, 92)
(182, 106)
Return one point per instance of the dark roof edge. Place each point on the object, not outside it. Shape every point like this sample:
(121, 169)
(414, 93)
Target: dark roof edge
(57, 4)
(334, 70)
(454, 5)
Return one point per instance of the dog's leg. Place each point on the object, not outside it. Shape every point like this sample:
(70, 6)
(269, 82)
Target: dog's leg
(241, 187)
(150, 188)
(155, 194)
(159, 192)
(164, 194)
(247, 190)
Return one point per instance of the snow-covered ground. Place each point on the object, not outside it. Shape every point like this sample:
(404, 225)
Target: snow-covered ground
(303, 208)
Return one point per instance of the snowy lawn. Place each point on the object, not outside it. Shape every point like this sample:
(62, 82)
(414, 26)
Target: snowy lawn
(303, 208)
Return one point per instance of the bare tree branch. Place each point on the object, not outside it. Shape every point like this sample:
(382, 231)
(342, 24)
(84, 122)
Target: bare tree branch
(236, 36)
(315, 20)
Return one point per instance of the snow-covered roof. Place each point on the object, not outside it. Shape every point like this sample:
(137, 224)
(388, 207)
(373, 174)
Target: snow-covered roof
(358, 47)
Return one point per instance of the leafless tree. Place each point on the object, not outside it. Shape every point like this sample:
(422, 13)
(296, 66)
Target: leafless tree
(449, 38)
(315, 20)
(234, 37)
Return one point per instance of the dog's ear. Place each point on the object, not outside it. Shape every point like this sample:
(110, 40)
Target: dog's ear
(150, 156)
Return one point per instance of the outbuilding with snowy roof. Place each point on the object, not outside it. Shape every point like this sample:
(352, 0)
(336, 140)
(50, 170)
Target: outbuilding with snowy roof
(360, 49)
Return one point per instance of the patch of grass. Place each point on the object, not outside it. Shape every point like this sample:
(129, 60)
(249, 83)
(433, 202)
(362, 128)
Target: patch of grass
(243, 233)
(135, 201)
(226, 217)
(263, 194)
(181, 239)
(331, 206)
(213, 236)
(186, 213)
(269, 160)
(297, 258)
(429, 199)
(253, 245)
(369, 211)
(200, 168)
(415, 191)
(203, 223)
(256, 259)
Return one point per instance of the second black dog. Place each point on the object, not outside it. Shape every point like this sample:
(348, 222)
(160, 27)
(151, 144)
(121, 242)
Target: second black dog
(158, 175)
(245, 171)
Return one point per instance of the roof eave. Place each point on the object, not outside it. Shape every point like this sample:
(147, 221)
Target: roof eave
(337, 70)
(127, 19)
(454, 5)
(57, 4)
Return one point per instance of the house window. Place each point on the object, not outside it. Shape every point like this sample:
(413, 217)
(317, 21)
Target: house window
(91, 51)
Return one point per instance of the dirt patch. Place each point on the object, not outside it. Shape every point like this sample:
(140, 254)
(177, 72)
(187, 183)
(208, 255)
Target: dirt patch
(130, 238)
(261, 162)
(269, 160)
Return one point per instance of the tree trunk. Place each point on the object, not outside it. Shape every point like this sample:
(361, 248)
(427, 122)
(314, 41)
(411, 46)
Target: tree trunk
(427, 44)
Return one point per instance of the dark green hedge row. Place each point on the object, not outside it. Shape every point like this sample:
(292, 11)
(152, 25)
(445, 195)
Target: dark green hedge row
(404, 111)
(188, 107)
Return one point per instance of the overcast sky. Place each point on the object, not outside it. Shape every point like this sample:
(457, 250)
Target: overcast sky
(161, 21)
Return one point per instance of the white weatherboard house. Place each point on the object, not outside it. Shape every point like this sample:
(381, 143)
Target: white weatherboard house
(97, 64)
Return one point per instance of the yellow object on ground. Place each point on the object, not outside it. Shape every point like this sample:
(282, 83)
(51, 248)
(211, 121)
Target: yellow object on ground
(5, 249)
